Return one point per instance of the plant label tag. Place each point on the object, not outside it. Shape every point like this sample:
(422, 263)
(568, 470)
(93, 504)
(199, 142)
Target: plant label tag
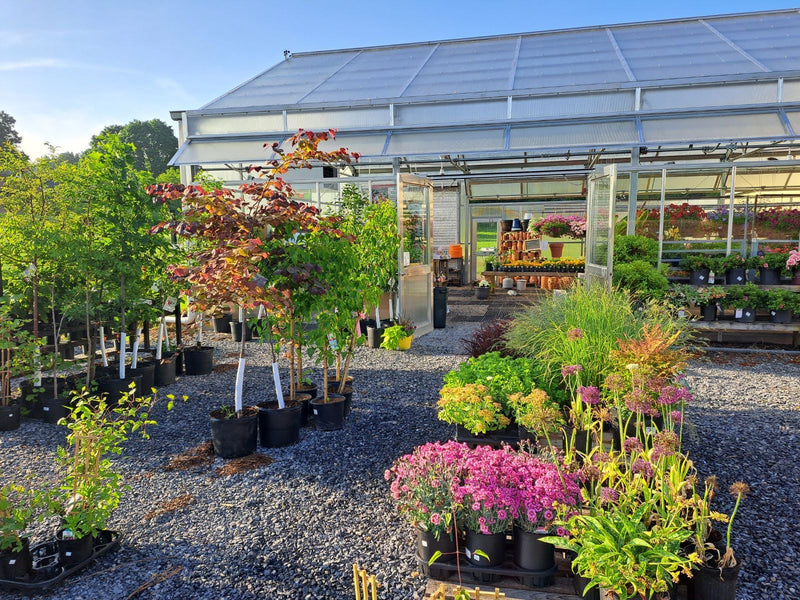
(315, 411)
(13, 561)
(738, 314)
(701, 277)
(747, 314)
(67, 553)
(170, 304)
(46, 408)
(11, 415)
(739, 278)
(772, 312)
(681, 313)
(711, 277)
(719, 308)
(651, 430)
(469, 554)
(424, 543)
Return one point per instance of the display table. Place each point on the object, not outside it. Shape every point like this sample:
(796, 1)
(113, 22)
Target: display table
(497, 277)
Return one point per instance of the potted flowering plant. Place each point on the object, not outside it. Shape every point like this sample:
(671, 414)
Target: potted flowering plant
(399, 336)
(793, 265)
(421, 488)
(782, 304)
(770, 266)
(699, 267)
(471, 407)
(706, 299)
(557, 226)
(482, 290)
(746, 300)
(733, 266)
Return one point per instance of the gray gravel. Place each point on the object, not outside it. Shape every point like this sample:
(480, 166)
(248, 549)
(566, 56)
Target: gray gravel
(746, 426)
(294, 528)
(288, 530)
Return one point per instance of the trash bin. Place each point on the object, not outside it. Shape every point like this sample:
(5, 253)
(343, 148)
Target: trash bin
(439, 307)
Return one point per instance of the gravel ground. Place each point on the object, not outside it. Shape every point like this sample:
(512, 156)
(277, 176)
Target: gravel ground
(293, 529)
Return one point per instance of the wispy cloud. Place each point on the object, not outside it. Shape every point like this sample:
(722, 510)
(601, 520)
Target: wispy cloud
(36, 63)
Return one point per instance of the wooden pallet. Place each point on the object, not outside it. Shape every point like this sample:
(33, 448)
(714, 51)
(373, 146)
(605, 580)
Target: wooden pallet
(560, 590)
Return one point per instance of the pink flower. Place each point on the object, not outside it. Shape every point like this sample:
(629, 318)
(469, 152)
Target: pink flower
(435, 518)
(476, 506)
(589, 394)
(676, 416)
(568, 370)
(575, 333)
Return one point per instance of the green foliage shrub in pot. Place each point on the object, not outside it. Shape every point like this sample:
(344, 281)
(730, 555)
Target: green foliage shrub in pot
(629, 248)
(699, 267)
(642, 279)
(471, 407)
(782, 304)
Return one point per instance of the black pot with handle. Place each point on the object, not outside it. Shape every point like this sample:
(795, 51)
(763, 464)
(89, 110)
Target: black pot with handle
(198, 360)
(235, 436)
(328, 416)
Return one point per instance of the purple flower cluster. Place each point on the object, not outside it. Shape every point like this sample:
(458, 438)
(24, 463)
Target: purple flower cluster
(673, 394)
(589, 394)
(568, 370)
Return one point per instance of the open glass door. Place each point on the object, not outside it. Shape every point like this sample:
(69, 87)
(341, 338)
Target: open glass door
(415, 215)
(600, 219)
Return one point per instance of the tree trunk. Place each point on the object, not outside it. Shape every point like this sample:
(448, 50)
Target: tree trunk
(325, 375)
(55, 343)
(299, 364)
(350, 350)
(90, 341)
(291, 359)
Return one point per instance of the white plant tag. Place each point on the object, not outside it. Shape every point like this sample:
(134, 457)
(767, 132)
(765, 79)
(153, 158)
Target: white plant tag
(170, 304)
(315, 411)
(739, 278)
(122, 343)
(276, 376)
(469, 554)
(651, 430)
(747, 314)
(391, 310)
(200, 329)
(103, 345)
(738, 314)
(241, 315)
(13, 561)
(424, 543)
(701, 277)
(772, 312)
(261, 311)
(711, 277)
(237, 399)
(377, 317)
(67, 553)
(681, 313)
(160, 338)
(46, 408)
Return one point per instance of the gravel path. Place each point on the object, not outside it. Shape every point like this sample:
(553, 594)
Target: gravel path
(293, 529)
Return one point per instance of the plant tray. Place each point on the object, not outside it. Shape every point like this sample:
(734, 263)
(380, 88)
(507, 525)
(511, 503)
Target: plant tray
(47, 572)
(489, 575)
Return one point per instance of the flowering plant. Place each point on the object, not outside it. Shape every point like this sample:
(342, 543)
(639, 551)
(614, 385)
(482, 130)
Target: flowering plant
(484, 284)
(557, 226)
(536, 412)
(793, 261)
(783, 300)
(471, 406)
(748, 295)
(783, 219)
(502, 375)
(673, 212)
(709, 295)
(697, 262)
(422, 484)
(732, 261)
(486, 496)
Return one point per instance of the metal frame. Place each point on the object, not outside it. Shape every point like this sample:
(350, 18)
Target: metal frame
(592, 270)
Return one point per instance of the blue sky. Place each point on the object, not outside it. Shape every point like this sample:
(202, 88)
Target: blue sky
(67, 69)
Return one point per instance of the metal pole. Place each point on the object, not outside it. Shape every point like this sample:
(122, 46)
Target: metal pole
(661, 215)
(633, 196)
(730, 212)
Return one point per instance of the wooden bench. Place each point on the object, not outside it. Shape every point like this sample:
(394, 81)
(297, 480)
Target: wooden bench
(716, 329)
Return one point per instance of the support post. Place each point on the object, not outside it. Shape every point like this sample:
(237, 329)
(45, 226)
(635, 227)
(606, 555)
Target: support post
(633, 197)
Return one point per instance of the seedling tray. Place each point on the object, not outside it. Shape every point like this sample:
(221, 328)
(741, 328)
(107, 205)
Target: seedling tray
(47, 572)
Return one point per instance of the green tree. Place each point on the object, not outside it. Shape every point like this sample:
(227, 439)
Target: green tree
(154, 141)
(7, 132)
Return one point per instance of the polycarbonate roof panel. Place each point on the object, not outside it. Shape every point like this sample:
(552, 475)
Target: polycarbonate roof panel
(794, 119)
(462, 67)
(577, 134)
(791, 90)
(569, 58)
(674, 50)
(708, 128)
(772, 39)
(197, 152)
(471, 140)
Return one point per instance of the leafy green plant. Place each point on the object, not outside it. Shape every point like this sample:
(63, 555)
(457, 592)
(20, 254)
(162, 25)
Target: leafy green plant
(472, 407)
(771, 260)
(392, 336)
(783, 300)
(502, 375)
(698, 262)
(629, 248)
(641, 279)
(732, 261)
(19, 507)
(536, 412)
(18, 350)
(748, 295)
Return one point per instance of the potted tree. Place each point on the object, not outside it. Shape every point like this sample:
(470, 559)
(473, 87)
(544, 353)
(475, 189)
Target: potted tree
(18, 350)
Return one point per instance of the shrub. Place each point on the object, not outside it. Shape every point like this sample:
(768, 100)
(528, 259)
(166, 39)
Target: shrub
(487, 338)
(748, 295)
(641, 279)
(503, 376)
(472, 407)
(628, 248)
(697, 262)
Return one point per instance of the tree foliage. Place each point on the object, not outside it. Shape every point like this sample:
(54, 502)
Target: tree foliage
(154, 142)
(8, 134)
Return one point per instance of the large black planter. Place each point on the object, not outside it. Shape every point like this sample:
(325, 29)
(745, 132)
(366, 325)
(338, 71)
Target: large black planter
(374, 337)
(305, 399)
(55, 410)
(73, 552)
(734, 277)
(709, 312)
(33, 399)
(114, 387)
(780, 316)
(309, 390)
(222, 324)
(279, 427)
(9, 417)
(699, 277)
(333, 384)
(769, 276)
(236, 332)
(235, 437)
(428, 545)
(531, 553)
(713, 584)
(748, 315)
(492, 545)
(148, 374)
(198, 360)
(16, 564)
(482, 292)
(328, 416)
(165, 372)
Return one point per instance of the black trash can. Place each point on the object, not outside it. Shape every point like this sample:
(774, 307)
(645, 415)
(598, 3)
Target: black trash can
(439, 307)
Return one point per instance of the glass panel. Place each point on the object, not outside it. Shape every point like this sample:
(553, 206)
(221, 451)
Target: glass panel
(582, 134)
(210, 125)
(415, 224)
(597, 229)
(791, 90)
(710, 95)
(450, 112)
(199, 152)
(354, 118)
(794, 119)
(329, 197)
(770, 39)
(724, 127)
(446, 142)
(582, 104)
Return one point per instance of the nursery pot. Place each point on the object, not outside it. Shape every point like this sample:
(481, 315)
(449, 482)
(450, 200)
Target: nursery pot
(482, 293)
(796, 278)
(198, 360)
(556, 249)
(493, 545)
(236, 332)
(713, 584)
(55, 410)
(748, 315)
(328, 416)
(780, 316)
(114, 387)
(709, 312)
(333, 384)
(522, 284)
(489, 266)
(148, 373)
(165, 372)
(279, 427)
(237, 436)
(374, 336)
(222, 324)
(531, 553)
(16, 564)
(505, 224)
(348, 400)
(305, 394)
(9, 417)
(734, 277)
(699, 277)
(769, 276)
(427, 545)
(35, 403)
(405, 343)
(74, 552)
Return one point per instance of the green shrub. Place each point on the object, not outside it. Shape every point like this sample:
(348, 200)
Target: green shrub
(503, 376)
(697, 262)
(642, 279)
(748, 295)
(630, 248)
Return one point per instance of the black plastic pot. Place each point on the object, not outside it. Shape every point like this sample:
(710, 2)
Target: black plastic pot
(489, 266)
(198, 360)
(709, 312)
(307, 390)
(165, 372)
(769, 276)
(16, 564)
(734, 276)
(305, 406)
(235, 437)
(780, 316)
(531, 553)
(374, 337)
(73, 552)
(114, 387)
(148, 374)
(716, 584)
(222, 324)
(333, 384)
(279, 427)
(55, 410)
(236, 332)
(482, 293)
(748, 315)
(348, 400)
(699, 277)
(33, 399)
(328, 416)
(493, 545)
(427, 545)
(9, 417)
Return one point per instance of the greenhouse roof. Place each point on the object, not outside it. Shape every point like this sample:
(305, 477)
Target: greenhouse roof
(719, 79)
